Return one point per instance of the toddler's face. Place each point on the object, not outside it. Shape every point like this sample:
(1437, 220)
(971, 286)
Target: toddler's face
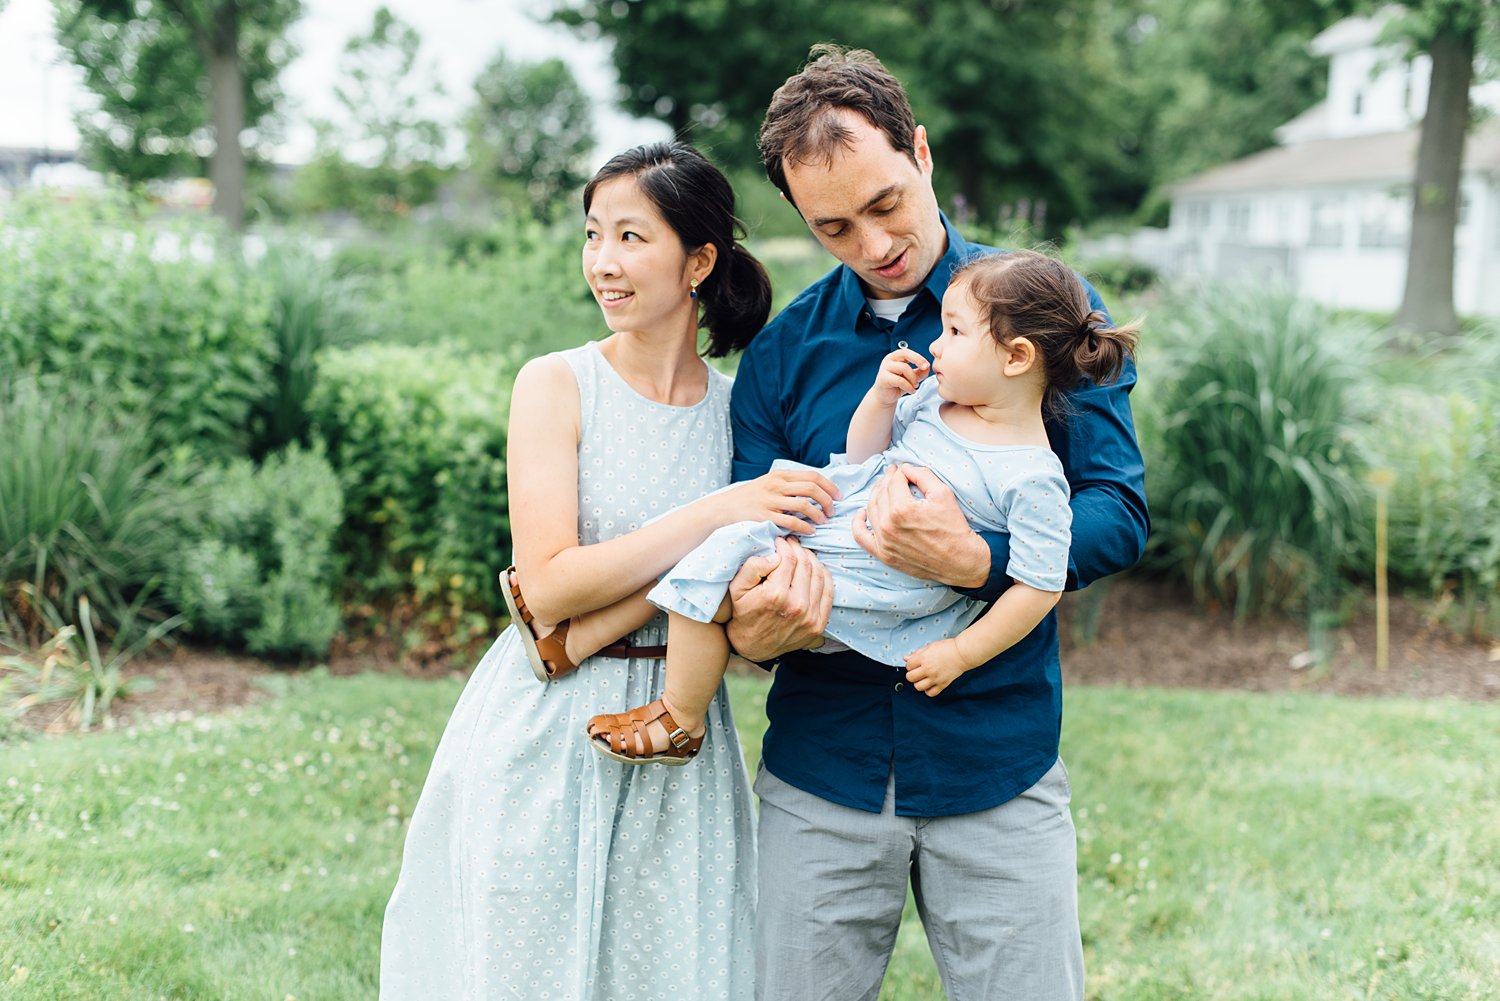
(966, 361)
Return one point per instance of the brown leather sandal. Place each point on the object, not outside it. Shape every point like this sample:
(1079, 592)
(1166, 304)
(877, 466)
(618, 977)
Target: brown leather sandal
(548, 654)
(625, 737)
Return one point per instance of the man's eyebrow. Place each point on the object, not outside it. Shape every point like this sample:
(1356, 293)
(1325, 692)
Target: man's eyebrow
(880, 196)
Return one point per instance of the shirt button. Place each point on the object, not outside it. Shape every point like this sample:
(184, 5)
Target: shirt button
(901, 345)
(898, 686)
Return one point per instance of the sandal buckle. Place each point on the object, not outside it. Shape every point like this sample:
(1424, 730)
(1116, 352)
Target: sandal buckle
(678, 737)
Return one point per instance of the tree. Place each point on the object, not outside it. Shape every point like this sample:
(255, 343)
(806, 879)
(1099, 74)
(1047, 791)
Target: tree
(1209, 81)
(1449, 32)
(529, 131)
(167, 69)
(382, 157)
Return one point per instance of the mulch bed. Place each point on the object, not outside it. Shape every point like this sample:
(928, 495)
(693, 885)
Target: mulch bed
(1149, 635)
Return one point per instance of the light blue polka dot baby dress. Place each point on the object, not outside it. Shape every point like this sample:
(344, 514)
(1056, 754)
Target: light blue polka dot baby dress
(884, 613)
(536, 869)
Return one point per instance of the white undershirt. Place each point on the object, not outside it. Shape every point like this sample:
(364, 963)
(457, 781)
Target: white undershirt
(890, 309)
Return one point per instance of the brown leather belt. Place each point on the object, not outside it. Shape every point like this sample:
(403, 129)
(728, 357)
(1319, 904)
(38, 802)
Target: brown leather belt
(624, 651)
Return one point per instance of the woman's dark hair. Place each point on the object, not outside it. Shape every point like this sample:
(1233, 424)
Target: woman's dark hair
(805, 124)
(695, 199)
(1028, 294)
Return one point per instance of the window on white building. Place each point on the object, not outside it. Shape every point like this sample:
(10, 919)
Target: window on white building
(1384, 220)
(1327, 223)
(1237, 218)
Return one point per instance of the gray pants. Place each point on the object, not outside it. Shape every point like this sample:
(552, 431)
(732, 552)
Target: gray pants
(997, 892)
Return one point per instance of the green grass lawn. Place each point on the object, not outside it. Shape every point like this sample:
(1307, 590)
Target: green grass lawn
(1234, 846)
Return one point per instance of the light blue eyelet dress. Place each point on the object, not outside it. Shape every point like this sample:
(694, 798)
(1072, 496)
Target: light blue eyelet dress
(878, 611)
(536, 869)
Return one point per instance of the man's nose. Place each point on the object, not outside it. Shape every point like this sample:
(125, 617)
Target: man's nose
(875, 243)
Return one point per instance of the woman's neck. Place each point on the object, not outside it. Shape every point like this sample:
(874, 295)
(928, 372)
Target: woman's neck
(661, 366)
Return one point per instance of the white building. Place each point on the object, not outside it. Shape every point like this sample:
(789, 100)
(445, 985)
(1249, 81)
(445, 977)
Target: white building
(1328, 210)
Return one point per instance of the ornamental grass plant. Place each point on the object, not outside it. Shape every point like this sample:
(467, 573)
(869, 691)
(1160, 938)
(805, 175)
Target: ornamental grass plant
(87, 509)
(1252, 470)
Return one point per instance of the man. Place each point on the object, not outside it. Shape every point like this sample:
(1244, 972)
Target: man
(866, 783)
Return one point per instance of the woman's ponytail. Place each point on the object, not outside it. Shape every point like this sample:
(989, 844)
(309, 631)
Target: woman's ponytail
(736, 300)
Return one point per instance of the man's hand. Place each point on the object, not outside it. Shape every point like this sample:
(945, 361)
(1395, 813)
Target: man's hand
(779, 606)
(928, 538)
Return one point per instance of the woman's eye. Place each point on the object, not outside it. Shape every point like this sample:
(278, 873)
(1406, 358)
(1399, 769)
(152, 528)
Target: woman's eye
(590, 234)
(632, 236)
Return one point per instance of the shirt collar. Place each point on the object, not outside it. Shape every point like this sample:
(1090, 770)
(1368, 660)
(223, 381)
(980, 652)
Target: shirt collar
(852, 295)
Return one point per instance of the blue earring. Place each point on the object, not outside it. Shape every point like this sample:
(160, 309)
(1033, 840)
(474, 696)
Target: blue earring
(693, 289)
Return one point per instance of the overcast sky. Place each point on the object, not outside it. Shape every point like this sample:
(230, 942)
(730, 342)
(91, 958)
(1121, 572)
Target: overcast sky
(40, 90)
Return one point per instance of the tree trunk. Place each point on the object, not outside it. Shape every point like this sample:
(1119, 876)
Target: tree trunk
(226, 83)
(1427, 303)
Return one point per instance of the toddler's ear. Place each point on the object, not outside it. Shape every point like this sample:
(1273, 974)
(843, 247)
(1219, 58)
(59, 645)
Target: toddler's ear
(1020, 356)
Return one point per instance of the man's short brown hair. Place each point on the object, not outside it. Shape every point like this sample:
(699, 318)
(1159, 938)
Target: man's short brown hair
(803, 123)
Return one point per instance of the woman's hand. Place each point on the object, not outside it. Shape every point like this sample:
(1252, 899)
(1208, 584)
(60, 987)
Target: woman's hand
(901, 372)
(783, 496)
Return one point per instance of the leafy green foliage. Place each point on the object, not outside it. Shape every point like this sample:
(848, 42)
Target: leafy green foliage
(71, 669)
(384, 161)
(1053, 112)
(417, 435)
(261, 571)
(312, 307)
(529, 133)
(86, 512)
(170, 73)
(1443, 452)
(1252, 471)
(177, 336)
(513, 290)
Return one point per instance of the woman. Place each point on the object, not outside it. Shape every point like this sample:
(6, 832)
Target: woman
(533, 867)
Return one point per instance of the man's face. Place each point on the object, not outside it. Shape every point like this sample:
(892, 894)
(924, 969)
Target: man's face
(874, 209)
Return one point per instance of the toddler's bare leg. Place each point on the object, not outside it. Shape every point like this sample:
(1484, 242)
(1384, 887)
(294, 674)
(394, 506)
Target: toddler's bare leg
(593, 631)
(697, 654)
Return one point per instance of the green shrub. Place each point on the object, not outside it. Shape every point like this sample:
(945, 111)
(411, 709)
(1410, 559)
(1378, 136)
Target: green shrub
(417, 435)
(1443, 454)
(1123, 274)
(87, 509)
(261, 572)
(1252, 474)
(512, 291)
(173, 329)
(311, 308)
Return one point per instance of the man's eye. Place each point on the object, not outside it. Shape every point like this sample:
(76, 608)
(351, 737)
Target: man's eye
(887, 209)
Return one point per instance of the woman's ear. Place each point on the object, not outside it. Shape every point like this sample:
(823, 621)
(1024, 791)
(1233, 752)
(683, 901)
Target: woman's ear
(700, 262)
(1020, 356)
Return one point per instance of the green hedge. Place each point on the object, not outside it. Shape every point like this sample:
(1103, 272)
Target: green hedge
(262, 573)
(417, 435)
(173, 330)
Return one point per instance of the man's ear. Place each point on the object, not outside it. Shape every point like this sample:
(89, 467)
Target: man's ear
(922, 150)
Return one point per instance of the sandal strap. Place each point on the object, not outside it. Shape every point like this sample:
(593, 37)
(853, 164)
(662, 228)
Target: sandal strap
(553, 647)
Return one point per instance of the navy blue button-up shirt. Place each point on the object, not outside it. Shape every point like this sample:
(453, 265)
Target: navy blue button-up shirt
(841, 723)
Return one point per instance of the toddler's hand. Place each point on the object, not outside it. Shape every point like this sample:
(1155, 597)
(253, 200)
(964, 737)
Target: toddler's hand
(901, 372)
(935, 666)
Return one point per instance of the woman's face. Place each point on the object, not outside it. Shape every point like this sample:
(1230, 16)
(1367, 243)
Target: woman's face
(635, 262)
